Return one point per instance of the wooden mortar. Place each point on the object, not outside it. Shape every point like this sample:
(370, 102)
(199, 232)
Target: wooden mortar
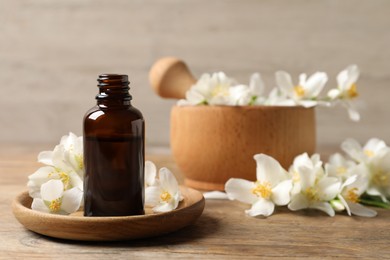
(212, 144)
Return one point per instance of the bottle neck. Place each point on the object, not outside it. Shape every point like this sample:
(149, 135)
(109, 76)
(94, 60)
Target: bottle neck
(113, 91)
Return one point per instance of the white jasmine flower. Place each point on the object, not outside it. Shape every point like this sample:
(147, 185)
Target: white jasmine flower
(376, 154)
(379, 166)
(210, 89)
(165, 196)
(74, 152)
(371, 149)
(303, 160)
(314, 162)
(346, 81)
(199, 92)
(347, 90)
(271, 188)
(316, 190)
(243, 95)
(278, 98)
(69, 179)
(55, 200)
(215, 195)
(307, 90)
(68, 155)
(240, 95)
(256, 85)
(352, 189)
(150, 174)
(338, 166)
(193, 98)
(218, 89)
(64, 163)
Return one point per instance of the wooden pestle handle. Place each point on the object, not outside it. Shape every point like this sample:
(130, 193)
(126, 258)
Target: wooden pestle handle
(171, 78)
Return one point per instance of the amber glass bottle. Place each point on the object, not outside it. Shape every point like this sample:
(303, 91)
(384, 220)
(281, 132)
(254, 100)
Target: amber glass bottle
(113, 152)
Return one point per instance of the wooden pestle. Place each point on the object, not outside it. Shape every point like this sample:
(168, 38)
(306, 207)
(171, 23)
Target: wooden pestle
(171, 78)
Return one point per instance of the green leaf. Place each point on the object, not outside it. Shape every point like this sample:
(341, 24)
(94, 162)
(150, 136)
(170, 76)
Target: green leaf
(253, 99)
(375, 203)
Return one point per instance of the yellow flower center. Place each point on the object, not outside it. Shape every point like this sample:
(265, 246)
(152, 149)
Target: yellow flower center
(79, 161)
(341, 170)
(299, 91)
(220, 90)
(64, 177)
(165, 196)
(55, 205)
(352, 91)
(296, 177)
(369, 153)
(380, 178)
(352, 195)
(262, 189)
(311, 194)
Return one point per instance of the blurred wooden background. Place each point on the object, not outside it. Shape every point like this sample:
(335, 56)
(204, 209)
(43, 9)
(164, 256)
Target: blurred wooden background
(52, 51)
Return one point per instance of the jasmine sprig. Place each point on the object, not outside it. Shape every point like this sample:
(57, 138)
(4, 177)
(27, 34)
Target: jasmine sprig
(342, 184)
(219, 89)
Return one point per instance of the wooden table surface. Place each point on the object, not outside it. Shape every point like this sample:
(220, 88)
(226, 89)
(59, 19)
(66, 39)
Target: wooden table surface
(223, 231)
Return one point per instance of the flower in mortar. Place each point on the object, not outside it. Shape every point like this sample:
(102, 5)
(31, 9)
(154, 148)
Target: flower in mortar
(212, 89)
(306, 92)
(346, 90)
(218, 89)
(346, 81)
(278, 98)
(243, 95)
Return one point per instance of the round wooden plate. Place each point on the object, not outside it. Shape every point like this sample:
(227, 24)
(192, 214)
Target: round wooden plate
(78, 227)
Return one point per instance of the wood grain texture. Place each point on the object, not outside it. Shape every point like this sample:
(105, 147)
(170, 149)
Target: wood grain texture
(78, 227)
(213, 144)
(222, 232)
(52, 52)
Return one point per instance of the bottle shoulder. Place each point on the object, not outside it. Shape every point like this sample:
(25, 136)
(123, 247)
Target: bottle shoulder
(137, 112)
(94, 111)
(97, 114)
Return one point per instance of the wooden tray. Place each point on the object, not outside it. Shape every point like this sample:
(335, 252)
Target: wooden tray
(78, 227)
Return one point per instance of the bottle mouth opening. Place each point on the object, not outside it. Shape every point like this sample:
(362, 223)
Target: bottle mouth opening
(113, 80)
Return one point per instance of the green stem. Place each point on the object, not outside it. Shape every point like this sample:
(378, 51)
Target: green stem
(375, 203)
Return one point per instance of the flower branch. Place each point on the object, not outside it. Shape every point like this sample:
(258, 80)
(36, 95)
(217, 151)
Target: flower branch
(219, 89)
(342, 184)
